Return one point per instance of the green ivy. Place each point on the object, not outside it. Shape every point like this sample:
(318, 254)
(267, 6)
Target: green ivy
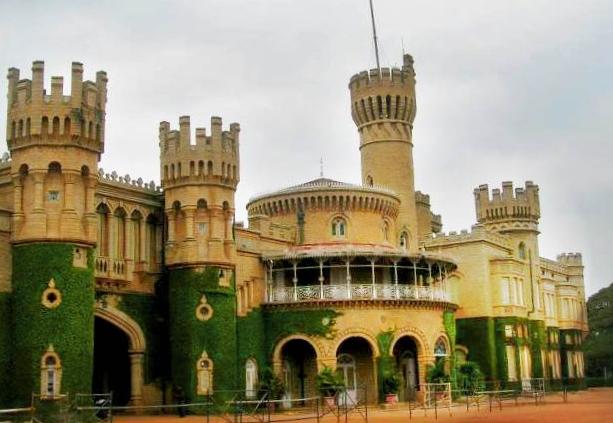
(5, 352)
(69, 327)
(450, 328)
(479, 336)
(280, 323)
(189, 337)
(386, 366)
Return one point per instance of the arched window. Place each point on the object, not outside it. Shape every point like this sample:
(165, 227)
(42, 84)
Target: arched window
(137, 233)
(204, 370)
(50, 374)
(120, 233)
(339, 228)
(440, 348)
(56, 126)
(251, 378)
(44, 126)
(209, 168)
(521, 251)
(103, 230)
(386, 229)
(345, 366)
(67, 126)
(54, 167)
(369, 181)
(201, 204)
(404, 241)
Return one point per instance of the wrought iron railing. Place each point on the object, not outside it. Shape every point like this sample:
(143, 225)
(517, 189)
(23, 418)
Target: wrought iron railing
(324, 292)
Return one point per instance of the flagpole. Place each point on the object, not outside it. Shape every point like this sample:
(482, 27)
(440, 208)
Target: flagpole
(374, 33)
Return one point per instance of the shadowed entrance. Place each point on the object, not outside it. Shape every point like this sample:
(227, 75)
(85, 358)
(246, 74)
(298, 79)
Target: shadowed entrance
(405, 354)
(299, 368)
(111, 362)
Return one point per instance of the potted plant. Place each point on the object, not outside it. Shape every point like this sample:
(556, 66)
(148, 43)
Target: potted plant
(391, 385)
(329, 383)
(437, 374)
(271, 387)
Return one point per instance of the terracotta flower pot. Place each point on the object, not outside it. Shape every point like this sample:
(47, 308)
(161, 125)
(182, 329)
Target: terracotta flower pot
(391, 398)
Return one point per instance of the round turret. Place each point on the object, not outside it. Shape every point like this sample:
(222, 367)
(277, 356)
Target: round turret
(383, 109)
(55, 143)
(199, 182)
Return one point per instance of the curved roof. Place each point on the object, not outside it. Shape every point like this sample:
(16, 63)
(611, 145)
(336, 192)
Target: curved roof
(326, 184)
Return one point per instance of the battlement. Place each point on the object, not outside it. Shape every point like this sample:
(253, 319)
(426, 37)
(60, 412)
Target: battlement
(521, 204)
(477, 233)
(213, 157)
(127, 181)
(420, 197)
(570, 259)
(388, 94)
(34, 112)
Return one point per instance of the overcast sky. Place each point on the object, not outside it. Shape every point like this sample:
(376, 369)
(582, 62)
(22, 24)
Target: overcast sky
(506, 90)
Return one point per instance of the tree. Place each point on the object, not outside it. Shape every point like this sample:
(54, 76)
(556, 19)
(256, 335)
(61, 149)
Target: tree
(598, 346)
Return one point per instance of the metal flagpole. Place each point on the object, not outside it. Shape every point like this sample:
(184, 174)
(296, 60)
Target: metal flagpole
(374, 33)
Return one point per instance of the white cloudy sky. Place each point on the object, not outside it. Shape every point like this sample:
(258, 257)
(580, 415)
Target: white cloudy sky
(507, 90)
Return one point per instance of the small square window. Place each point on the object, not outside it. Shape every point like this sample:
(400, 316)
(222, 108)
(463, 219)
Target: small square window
(202, 228)
(53, 196)
(508, 331)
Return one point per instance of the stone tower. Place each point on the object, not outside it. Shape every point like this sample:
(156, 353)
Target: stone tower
(383, 108)
(55, 142)
(515, 212)
(199, 182)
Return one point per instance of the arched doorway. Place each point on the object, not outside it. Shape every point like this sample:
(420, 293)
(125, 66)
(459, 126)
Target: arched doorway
(111, 361)
(119, 348)
(299, 360)
(405, 354)
(354, 363)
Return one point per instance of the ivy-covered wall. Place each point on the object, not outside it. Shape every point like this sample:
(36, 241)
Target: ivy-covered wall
(450, 328)
(69, 327)
(5, 352)
(570, 340)
(479, 336)
(189, 337)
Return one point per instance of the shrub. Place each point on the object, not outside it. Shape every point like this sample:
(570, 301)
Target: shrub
(329, 383)
(271, 384)
(470, 378)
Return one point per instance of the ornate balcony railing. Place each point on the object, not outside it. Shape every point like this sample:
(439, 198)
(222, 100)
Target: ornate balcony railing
(356, 292)
(106, 267)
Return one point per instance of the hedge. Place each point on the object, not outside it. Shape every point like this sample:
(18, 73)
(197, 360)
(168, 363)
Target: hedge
(5, 351)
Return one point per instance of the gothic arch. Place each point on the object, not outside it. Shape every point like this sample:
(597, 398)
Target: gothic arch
(276, 355)
(415, 333)
(120, 319)
(357, 333)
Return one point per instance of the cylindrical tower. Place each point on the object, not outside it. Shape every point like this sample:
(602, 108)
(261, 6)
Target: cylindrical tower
(199, 182)
(383, 109)
(55, 143)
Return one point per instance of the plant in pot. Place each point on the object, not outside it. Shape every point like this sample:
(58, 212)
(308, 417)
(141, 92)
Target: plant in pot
(329, 383)
(437, 374)
(470, 378)
(271, 387)
(391, 385)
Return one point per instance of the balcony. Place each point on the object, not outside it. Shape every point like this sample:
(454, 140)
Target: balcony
(310, 293)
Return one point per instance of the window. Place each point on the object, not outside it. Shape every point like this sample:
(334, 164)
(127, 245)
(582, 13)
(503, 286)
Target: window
(251, 378)
(385, 231)
(404, 241)
(521, 251)
(511, 363)
(369, 181)
(440, 349)
(339, 228)
(50, 374)
(204, 371)
(202, 228)
(53, 196)
(508, 331)
(504, 291)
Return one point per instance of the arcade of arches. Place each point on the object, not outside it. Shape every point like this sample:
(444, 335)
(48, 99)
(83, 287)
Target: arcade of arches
(298, 359)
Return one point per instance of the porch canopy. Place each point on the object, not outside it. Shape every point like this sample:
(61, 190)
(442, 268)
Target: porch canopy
(355, 272)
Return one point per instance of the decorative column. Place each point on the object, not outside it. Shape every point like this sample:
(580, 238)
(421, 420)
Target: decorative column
(295, 281)
(143, 239)
(396, 279)
(321, 279)
(415, 286)
(189, 222)
(372, 274)
(348, 280)
(137, 380)
(171, 225)
(69, 181)
(39, 200)
(270, 281)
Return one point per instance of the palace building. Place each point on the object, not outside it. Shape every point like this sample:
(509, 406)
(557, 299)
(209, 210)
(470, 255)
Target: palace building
(108, 283)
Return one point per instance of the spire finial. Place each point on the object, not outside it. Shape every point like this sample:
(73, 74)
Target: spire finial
(321, 167)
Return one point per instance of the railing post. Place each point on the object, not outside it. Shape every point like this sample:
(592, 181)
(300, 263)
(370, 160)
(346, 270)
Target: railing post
(372, 273)
(321, 279)
(396, 279)
(295, 281)
(348, 281)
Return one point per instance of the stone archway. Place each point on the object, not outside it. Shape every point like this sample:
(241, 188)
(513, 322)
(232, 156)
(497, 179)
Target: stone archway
(136, 347)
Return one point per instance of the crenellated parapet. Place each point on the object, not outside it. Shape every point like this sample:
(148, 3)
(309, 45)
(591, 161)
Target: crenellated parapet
(37, 116)
(212, 158)
(476, 233)
(508, 209)
(386, 95)
(570, 259)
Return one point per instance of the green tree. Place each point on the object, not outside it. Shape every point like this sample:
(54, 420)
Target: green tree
(598, 346)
